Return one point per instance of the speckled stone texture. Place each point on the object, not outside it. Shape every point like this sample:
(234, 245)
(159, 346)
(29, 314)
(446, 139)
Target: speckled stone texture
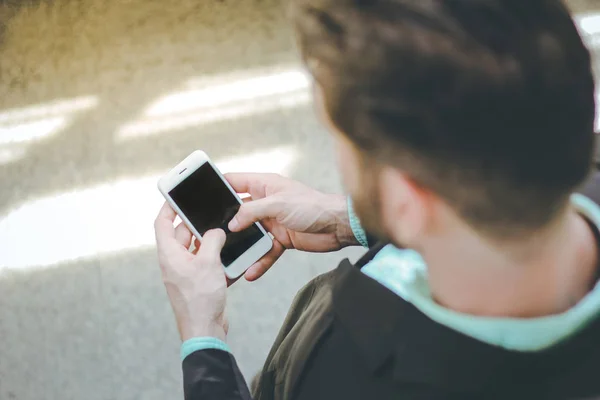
(100, 327)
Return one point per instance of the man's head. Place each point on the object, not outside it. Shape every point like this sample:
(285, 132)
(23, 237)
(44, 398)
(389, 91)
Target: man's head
(485, 107)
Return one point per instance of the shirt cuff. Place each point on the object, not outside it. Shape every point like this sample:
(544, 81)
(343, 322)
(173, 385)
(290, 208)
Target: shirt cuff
(202, 343)
(358, 231)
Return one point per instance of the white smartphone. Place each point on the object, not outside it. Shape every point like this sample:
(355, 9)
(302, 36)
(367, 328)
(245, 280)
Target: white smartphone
(204, 200)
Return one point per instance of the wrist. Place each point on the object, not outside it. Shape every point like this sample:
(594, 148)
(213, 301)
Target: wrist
(209, 329)
(343, 232)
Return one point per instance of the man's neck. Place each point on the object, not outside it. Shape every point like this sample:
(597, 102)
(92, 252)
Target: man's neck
(541, 275)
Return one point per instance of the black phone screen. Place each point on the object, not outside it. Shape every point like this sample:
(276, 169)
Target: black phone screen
(208, 203)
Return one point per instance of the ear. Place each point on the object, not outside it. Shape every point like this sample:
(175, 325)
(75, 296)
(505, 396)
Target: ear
(406, 207)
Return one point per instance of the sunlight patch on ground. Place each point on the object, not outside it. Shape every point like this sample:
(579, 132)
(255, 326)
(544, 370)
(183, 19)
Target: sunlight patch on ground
(50, 109)
(11, 153)
(19, 127)
(589, 26)
(589, 23)
(233, 111)
(29, 131)
(103, 219)
(224, 94)
(208, 100)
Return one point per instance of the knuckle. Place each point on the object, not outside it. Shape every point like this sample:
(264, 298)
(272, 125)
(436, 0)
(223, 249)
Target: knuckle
(213, 235)
(244, 213)
(278, 202)
(208, 259)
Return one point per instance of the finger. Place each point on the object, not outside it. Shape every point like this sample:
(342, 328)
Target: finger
(196, 246)
(254, 183)
(210, 249)
(254, 211)
(183, 235)
(163, 225)
(265, 263)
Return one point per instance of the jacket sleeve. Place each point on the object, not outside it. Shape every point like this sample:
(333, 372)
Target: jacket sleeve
(213, 375)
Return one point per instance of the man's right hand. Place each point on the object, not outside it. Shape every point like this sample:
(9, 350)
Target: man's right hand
(298, 216)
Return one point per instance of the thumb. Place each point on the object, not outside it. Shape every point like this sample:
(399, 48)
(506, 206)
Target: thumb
(255, 211)
(211, 246)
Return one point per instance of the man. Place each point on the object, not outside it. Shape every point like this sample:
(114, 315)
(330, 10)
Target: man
(462, 128)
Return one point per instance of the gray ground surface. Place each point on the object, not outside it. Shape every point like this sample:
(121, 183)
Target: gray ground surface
(82, 314)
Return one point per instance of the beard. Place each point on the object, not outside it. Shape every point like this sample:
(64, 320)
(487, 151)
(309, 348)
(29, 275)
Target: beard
(367, 201)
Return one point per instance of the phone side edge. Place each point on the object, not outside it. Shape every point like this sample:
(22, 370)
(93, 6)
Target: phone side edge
(249, 257)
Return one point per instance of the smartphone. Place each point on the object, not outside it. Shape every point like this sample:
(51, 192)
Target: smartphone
(204, 200)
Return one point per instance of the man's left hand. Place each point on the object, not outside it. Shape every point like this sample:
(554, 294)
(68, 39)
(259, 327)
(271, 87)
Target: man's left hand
(195, 281)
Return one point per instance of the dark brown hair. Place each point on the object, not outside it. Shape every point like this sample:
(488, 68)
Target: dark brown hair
(488, 103)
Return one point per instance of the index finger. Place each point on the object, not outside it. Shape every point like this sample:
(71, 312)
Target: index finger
(250, 182)
(163, 225)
